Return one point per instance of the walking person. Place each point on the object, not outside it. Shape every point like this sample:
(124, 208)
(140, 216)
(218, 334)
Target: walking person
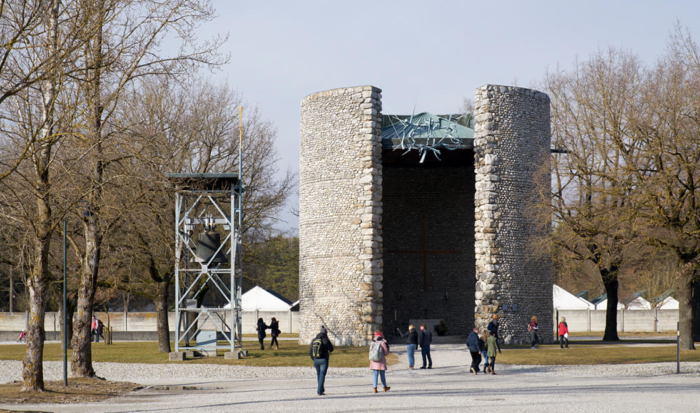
(378, 351)
(274, 332)
(482, 345)
(100, 330)
(474, 346)
(491, 348)
(261, 332)
(95, 337)
(532, 330)
(425, 339)
(493, 326)
(320, 350)
(563, 333)
(411, 345)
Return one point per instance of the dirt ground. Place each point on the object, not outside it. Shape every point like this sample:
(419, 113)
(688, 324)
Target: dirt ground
(77, 391)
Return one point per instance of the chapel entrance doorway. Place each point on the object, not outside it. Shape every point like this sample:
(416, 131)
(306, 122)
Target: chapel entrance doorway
(428, 240)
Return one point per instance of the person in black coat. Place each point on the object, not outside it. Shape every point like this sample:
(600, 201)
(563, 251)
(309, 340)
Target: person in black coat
(411, 345)
(474, 345)
(261, 332)
(274, 332)
(425, 340)
(321, 359)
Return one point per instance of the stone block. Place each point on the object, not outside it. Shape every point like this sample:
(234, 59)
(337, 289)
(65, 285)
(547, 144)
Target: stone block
(233, 355)
(177, 356)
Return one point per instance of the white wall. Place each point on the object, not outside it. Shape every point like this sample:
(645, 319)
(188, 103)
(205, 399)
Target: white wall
(288, 320)
(627, 320)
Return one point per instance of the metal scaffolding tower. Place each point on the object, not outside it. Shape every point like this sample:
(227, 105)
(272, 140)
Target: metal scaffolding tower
(207, 251)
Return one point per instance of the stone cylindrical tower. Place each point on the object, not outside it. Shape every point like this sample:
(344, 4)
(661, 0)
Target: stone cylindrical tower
(511, 154)
(340, 207)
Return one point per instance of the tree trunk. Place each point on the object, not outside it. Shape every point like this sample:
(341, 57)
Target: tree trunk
(32, 365)
(38, 282)
(685, 304)
(161, 303)
(695, 295)
(611, 289)
(81, 360)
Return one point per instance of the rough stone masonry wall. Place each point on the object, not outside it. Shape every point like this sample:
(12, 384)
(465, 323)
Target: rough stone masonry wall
(512, 150)
(340, 209)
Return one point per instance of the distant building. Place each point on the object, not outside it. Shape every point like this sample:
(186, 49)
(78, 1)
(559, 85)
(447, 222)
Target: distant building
(601, 303)
(260, 299)
(564, 300)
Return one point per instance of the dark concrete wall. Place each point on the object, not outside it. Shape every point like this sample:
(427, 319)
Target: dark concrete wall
(444, 195)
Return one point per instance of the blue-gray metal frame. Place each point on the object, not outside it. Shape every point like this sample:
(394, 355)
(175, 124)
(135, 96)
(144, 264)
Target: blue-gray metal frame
(192, 208)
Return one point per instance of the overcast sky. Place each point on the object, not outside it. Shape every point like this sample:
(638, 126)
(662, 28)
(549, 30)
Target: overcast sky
(428, 54)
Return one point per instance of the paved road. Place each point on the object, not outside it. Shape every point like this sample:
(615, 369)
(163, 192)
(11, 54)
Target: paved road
(448, 387)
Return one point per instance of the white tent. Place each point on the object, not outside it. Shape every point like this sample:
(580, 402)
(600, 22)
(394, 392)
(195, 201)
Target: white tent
(669, 303)
(260, 299)
(639, 303)
(603, 305)
(564, 300)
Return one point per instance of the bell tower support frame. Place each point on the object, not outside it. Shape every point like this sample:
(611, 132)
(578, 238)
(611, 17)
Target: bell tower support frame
(206, 203)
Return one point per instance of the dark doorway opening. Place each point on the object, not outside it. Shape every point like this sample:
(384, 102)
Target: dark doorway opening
(428, 239)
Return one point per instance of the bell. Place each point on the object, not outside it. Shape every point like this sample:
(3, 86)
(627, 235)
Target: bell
(207, 244)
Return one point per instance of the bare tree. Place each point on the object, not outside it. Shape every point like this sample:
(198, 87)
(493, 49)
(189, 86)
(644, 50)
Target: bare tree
(590, 204)
(122, 45)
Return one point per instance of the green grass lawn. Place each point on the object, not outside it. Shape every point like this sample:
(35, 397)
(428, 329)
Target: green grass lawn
(289, 354)
(594, 354)
(292, 354)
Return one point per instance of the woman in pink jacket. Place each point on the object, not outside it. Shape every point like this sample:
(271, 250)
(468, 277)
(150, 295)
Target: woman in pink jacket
(378, 367)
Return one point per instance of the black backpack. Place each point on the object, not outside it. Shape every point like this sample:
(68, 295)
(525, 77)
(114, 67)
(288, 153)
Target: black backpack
(317, 349)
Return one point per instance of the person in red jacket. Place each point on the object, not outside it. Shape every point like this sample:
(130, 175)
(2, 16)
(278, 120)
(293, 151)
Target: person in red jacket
(563, 333)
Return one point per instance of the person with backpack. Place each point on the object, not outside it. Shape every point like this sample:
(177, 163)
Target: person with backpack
(261, 332)
(274, 332)
(411, 345)
(378, 351)
(532, 330)
(425, 340)
(563, 333)
(320, 350)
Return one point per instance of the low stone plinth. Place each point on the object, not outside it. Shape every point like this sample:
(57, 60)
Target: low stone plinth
(177, 356)
(235, 355)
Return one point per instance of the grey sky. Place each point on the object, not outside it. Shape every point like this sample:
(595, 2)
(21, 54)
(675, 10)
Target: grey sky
(427, 54)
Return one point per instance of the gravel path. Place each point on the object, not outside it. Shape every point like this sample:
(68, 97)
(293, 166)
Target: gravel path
(447, 387)
(454, 355)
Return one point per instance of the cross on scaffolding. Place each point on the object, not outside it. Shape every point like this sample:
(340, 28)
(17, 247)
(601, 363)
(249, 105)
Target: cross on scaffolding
(424, 252)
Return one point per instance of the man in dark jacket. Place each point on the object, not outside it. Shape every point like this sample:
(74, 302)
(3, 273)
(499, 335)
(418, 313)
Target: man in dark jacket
(425, 340)
(319, 351)
(474, 345)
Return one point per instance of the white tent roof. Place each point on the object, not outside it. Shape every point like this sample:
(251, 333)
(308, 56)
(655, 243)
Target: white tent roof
(603, 305)
(564, 300)
(639, 303)
(260, 299)
(669, 303)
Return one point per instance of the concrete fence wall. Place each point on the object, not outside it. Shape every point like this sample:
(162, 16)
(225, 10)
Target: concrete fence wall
(627, 320)
(146, 322)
